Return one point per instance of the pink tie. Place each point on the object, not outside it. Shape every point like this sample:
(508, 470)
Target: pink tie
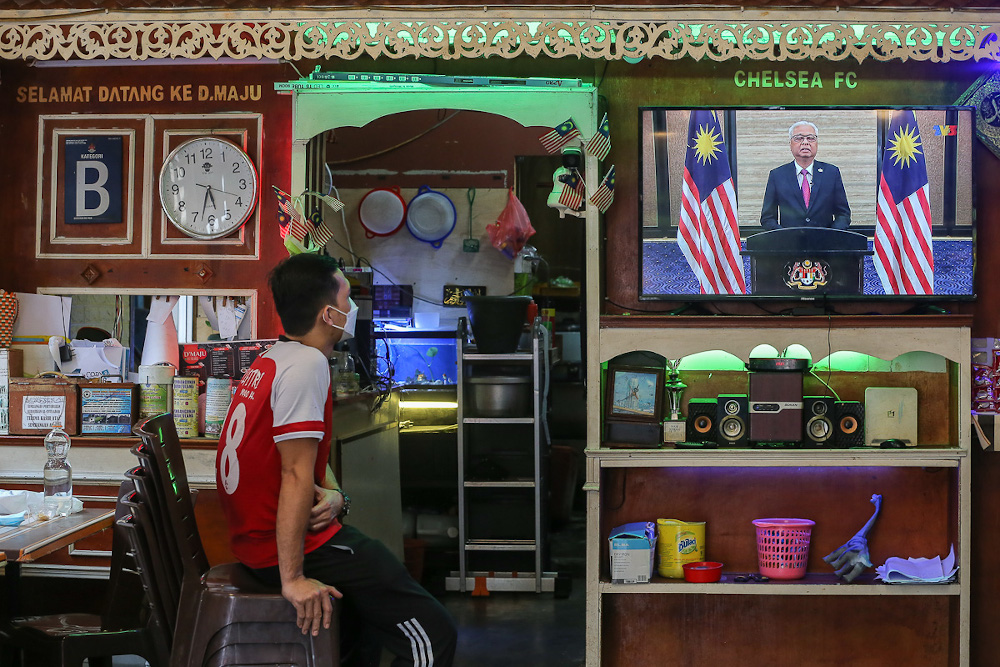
(805, 186)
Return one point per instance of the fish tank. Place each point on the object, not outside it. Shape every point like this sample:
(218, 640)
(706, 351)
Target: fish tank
(417, 356)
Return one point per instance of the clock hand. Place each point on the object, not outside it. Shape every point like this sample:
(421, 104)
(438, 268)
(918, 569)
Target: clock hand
(217, 190)
(209, 194)
(204, 204)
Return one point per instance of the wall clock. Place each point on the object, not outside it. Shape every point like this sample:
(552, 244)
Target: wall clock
(208, 187)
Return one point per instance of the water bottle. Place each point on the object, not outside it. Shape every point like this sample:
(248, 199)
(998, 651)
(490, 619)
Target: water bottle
(57, 475)
(345, 375)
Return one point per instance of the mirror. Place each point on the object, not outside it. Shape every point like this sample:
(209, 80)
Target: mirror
(122, 314)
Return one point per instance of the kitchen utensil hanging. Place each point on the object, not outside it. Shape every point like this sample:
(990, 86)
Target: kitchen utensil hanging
(430, 216)
(470, 244)
(382, 212)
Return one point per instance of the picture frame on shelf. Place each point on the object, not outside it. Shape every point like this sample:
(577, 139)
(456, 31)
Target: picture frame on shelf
(634, 394)
(633, 404)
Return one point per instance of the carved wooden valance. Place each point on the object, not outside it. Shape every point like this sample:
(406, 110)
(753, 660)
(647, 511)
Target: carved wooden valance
(599, 34)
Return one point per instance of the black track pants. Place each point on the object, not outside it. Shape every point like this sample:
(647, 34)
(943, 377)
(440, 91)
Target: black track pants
(388, 605)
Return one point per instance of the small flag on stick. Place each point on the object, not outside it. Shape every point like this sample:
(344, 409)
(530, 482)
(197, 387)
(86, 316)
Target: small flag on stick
(566, 132)
(289, 219)
(573, 190)
(600, 144)
(606, 193)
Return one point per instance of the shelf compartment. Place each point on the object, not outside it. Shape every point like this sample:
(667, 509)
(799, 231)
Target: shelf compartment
(501, 484)
(498, 420)
(504, 581)
(811, 584)
(500, 545)
(510, 356)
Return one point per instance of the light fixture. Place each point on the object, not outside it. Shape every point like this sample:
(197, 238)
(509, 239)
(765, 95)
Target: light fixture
(427, 405)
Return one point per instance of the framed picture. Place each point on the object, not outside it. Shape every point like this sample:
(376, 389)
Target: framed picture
(634, 394)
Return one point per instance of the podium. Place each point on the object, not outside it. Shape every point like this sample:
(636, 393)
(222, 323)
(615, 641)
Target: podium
(806, 261)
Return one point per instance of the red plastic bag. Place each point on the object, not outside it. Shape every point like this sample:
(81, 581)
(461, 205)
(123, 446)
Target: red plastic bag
(512, 228)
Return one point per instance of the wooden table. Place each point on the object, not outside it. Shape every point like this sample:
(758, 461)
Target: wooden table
(24, 544)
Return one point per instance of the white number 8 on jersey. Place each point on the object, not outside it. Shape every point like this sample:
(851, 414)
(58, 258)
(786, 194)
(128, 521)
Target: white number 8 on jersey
(229, 464)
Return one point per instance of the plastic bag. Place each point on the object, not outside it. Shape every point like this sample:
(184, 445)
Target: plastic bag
(512, 228)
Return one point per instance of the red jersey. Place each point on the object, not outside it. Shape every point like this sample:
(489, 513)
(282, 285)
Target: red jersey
(285, 394)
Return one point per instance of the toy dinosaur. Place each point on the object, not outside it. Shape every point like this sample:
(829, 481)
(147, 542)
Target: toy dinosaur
(852, 558)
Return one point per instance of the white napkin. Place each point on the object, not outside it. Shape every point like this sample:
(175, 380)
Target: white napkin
(918, 570)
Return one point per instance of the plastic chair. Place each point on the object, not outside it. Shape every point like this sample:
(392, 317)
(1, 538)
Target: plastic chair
(69, 639)
(225, 615)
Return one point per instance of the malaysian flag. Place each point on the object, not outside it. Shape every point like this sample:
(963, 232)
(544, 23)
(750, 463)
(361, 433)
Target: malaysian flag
(708, 233)
(600, 144)
(566, 132)
(322, 232)
(573, 190)
(904, 257)
(606, 192)
(289, 219)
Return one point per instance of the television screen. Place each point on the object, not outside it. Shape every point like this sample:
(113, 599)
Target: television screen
(883, 209)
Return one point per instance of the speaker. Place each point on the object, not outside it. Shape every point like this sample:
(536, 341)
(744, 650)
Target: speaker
(732, 420)
(701, 416)
(818, 415)
(848, 424)
(776, 406)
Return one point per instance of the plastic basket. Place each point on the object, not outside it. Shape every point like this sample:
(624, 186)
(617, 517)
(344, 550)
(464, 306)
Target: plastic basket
(783, 547)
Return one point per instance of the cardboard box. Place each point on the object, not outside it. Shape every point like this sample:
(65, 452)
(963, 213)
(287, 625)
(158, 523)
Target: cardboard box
(108, 407)
(38, 404)
(633, 547)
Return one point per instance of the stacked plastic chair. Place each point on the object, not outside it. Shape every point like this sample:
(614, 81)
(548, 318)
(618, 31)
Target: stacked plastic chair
(223, 615)
(123, 628)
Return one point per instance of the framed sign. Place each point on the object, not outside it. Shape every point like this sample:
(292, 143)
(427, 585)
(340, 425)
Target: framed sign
(93, 179)
(89, 199)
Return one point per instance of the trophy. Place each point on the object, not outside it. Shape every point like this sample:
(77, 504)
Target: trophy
(674, 425)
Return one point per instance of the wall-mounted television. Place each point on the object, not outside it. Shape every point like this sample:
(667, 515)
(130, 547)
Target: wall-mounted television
(886, 210)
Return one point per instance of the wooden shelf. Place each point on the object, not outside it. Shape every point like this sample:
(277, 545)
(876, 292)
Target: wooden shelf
(99, 440)
(923, 457)
(498, 420)
(772, 321)
(811, 584)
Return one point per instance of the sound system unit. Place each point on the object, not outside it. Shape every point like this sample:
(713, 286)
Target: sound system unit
(848, 424)
(818, 430)
(732, 420)
(776, 407)
(701, 420)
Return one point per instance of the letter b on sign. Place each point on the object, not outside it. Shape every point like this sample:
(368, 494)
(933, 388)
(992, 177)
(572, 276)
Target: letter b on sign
(91, 178)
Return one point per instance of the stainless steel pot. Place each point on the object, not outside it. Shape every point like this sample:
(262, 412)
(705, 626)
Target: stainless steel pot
(500, 396)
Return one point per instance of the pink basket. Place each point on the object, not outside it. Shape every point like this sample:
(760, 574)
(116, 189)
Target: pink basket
(783, 547)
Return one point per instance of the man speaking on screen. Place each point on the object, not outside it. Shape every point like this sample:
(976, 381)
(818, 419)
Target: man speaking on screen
(805, 192)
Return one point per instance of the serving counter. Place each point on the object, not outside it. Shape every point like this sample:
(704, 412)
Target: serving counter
(364, 456)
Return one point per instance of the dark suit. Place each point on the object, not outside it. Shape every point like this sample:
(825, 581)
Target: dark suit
(784, 206)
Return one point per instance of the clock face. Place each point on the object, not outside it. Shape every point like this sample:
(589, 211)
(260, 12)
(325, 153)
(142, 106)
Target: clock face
(208, 187)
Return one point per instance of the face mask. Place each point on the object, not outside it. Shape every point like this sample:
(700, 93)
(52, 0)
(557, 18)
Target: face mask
(352, 320)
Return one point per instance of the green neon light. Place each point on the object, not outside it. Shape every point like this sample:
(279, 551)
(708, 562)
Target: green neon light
(712, 360)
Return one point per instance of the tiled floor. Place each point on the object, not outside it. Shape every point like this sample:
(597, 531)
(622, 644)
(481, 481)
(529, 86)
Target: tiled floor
(524, 629)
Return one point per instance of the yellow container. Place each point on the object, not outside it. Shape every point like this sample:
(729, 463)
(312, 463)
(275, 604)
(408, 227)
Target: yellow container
(679, 542)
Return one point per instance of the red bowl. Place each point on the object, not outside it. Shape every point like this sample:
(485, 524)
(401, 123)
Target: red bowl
(705, 572)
